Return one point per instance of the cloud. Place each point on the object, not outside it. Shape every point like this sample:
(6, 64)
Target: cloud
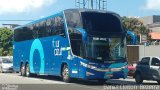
(152, 5)
(17, 6)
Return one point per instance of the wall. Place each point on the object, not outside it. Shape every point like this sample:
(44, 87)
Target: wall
(136, 52)
(152, 50)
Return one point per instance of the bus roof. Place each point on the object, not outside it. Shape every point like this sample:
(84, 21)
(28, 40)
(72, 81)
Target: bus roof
(91, 10)
(78, 10)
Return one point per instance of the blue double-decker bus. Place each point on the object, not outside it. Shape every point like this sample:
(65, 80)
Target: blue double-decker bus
(75, 43)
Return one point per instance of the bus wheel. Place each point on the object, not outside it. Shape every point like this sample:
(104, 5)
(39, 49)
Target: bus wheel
(65, 74)
(27, 71)
(22, 70)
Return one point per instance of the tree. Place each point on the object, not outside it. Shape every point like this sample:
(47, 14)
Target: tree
(135, 25)
(6, 38)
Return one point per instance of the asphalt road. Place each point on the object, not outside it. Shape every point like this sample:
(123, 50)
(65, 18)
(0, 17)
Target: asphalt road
(13, 81)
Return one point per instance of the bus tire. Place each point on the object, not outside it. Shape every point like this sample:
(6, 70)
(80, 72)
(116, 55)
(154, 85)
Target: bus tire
(28, 73)
(65, 74)
(22, 70)
(27, 70)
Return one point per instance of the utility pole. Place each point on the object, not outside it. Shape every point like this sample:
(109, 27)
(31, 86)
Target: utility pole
(91, 4)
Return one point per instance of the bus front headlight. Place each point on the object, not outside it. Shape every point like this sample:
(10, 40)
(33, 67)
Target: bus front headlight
(91, 67)
(87, 65)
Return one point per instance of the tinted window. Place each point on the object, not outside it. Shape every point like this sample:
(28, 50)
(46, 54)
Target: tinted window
(76, 44)
(50, 27)
(145, 61)
(154, 61)
(22, 34)
(45, 28)
(42, 30)
(59, 26)
(73, 19)
(101, 22)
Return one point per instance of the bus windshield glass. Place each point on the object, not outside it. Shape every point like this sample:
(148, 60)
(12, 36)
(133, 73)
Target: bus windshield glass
(105, 48)
(105, 36)
(101, 22)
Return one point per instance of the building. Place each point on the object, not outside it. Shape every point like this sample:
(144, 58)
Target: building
(155, 27)
(152, 23)
(9, 26)
(149, 20)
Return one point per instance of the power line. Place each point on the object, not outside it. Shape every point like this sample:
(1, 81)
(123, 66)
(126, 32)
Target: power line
(16, 20)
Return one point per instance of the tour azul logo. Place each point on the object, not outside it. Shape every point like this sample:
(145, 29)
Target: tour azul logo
(57, 49)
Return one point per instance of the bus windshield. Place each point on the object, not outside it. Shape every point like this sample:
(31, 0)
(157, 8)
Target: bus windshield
(105, 49)
(101, 22)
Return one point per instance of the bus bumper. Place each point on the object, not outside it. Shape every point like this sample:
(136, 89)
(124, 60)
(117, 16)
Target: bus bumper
(94, 70)
(95, 75)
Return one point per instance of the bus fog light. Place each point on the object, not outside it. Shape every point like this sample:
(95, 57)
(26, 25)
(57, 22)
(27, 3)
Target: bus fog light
(89, 73)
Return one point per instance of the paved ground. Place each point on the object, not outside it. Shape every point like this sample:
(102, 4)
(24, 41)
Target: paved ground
(14, 80)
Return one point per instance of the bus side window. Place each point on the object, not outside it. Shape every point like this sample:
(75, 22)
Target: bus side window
(28, 34)
(49, 27)
(53, 27)
(16, 35)
(35, 31)
(23, 34)
(59, 26)
(42, 29)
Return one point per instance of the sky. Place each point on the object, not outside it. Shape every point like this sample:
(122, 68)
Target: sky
(36, 9)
